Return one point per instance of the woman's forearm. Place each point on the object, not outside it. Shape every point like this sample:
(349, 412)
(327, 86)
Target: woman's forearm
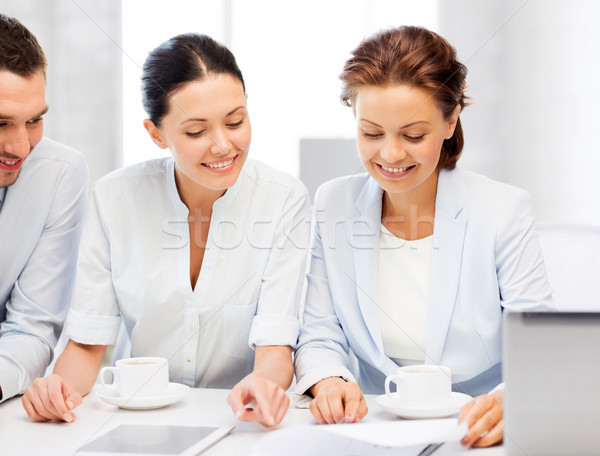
(79, 364)
(274, 363)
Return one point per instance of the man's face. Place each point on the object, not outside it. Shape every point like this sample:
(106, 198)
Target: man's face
(22, 106)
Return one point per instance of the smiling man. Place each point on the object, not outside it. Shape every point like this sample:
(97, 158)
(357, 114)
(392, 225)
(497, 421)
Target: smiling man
(42, 200)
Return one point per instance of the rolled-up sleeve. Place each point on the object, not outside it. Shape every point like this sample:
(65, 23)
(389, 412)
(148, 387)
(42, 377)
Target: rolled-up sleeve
(277, 321)
(94, 317)
(40, 298)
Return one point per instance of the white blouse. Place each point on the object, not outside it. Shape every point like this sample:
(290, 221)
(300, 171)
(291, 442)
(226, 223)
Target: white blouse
(134, 265)
(403, 295)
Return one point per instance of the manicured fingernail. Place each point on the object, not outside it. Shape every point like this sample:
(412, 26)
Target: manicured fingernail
(465, 441)
(68, 417)
(70, 404)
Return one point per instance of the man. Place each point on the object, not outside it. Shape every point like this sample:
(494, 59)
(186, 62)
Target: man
(42, 200)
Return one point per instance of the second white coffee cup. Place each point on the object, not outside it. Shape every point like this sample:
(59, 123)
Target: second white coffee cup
(139, 377)
(421, 385)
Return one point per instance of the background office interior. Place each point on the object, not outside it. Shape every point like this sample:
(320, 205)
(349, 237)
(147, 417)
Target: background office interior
(532, 76)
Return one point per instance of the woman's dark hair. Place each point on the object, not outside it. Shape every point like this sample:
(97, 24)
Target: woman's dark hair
(177, 61)
(416, 57)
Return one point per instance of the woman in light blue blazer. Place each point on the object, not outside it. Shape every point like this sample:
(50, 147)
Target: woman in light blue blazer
(414, 261)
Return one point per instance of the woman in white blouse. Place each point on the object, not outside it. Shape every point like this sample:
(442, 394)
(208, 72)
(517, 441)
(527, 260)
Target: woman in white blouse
(201, 255)
(414, 261)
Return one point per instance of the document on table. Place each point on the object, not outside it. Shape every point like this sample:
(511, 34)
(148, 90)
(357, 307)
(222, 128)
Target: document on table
(399, 438)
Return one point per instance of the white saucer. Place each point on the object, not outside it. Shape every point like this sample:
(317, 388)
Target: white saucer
(175, 392)
(452, 407)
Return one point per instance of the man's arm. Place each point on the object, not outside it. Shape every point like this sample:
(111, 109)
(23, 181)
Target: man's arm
(40, 298)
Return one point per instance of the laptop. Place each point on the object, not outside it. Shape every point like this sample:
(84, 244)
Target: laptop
(551, 370)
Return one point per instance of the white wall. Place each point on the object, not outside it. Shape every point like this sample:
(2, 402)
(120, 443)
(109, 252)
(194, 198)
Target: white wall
(290, 54)
(533, 71)
(81, 40)
(533, 75)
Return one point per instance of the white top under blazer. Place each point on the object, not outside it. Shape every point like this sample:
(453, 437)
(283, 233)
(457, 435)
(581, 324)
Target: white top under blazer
(403, 295)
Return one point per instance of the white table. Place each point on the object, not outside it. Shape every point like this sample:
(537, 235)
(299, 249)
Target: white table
(20, 436)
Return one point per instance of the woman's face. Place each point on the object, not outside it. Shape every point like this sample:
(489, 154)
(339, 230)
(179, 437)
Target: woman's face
(207, 130)
(400, 135)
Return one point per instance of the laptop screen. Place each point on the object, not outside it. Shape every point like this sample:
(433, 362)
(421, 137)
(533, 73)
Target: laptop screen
(551, 371)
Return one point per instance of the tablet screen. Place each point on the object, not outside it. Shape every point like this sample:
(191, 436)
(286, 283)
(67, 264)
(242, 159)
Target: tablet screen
(152, 439)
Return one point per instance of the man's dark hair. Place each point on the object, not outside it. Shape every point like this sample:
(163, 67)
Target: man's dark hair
(20, 52)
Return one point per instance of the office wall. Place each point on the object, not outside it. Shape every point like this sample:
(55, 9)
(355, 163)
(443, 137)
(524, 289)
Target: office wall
(290, 56)
(533, 75)
(324, 159)
(81, 42)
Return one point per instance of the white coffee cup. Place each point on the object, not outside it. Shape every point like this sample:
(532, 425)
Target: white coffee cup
(421, 386)
(139, 377)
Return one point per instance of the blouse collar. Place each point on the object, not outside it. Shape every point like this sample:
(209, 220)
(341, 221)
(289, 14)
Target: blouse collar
(220, 203)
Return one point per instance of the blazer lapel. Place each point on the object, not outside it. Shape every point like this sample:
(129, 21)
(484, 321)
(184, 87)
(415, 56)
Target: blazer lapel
(448, 239)
(363, 236)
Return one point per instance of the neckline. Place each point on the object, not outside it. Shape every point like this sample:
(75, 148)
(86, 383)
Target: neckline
(388, 233)
(227, 197)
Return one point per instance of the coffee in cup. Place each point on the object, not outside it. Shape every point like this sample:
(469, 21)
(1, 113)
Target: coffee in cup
(421, 385)
(139, 377)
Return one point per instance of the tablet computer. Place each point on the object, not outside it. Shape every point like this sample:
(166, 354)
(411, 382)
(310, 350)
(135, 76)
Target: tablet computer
(131, 439)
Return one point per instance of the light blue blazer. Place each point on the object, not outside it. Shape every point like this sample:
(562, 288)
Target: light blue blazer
(486, 257)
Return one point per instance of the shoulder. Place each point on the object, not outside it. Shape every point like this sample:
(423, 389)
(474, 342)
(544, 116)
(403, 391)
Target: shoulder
(140, 185)
(476, 193)
(496, 200)
(147, 172)
(53, 164)
(63, 156)
(491, 189)
(343, 192)
(49, 149)
(487, 204)
(268, 179)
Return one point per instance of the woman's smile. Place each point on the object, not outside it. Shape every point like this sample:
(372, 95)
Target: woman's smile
(221, 166)
(395, 172)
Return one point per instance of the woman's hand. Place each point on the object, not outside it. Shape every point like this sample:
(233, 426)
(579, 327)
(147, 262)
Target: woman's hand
(269, 401)
(50, 399)
(336, 400)
(484, 417)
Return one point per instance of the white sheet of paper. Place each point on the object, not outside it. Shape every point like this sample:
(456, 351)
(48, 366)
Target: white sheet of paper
(383, 438)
